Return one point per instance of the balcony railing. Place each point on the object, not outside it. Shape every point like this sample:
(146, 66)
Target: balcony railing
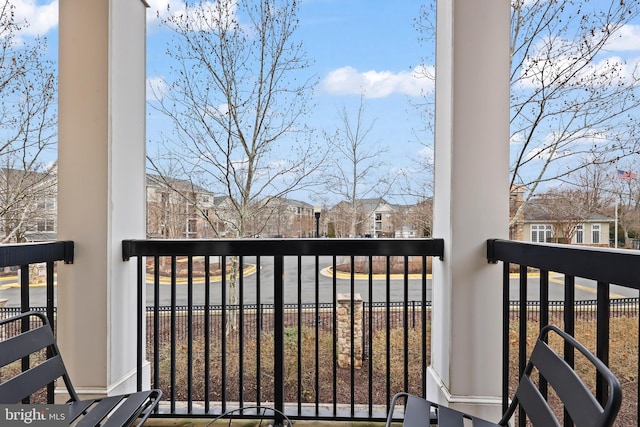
(539, 267)
(204, 348)
(25, 261)
(340, 337)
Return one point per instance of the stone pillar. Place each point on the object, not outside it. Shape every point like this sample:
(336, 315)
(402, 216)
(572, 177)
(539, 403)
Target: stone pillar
(471, 202)
(347, 305)
(101, 182)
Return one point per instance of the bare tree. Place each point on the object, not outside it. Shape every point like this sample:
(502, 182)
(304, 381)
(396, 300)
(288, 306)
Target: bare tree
(356, 170)
(27, 128)
(593, 182)
(571, 99)
(237, 95)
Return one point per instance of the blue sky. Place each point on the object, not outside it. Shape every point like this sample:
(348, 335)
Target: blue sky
(356, 45)
(368, 46)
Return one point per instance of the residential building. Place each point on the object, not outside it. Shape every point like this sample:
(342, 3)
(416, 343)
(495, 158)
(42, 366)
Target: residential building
(554, 220)
(28, 205)
(282, 217)
(178, 208)
(363, 218)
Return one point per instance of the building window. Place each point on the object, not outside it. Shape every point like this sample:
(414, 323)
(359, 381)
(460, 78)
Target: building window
(48, 204)
(595, 233)
(580, 234)
(378, 217)
(46, 225)
(541, 233)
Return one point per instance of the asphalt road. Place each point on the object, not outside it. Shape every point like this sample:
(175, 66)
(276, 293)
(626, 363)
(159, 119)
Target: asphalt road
(302, 281)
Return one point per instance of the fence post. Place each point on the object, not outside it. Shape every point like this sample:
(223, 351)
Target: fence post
(347, 350)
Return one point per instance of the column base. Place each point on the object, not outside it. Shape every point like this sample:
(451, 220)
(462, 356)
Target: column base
(486, 407)
(126, 384)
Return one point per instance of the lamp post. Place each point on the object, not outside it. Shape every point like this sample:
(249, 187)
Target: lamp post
(316, 213)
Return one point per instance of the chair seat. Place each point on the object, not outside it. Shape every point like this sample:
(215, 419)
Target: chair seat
(121, 410)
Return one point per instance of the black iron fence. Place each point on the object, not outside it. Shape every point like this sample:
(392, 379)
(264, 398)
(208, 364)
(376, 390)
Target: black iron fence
(584, 309)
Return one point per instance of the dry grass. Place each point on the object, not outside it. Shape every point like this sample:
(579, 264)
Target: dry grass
(300, 374)
(312, 380)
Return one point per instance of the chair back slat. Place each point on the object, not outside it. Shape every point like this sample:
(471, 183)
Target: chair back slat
(24, 384)
(29, 369)
(416, 409)
(26, 343)
(570, 389)
(450, 417)
(534, 404)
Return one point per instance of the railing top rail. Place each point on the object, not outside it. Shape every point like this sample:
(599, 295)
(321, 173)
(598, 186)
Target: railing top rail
(616, 266)
(276, 247)
(31, 253)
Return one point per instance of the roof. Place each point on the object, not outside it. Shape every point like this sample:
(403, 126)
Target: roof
(536, 212)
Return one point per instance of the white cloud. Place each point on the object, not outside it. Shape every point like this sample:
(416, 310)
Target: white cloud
(426, 155)
(156, 88)
(378, 84)
(626, 38)
(201, 15)
(559, 60)
(41, 18)
(516, 138)
(160, 9)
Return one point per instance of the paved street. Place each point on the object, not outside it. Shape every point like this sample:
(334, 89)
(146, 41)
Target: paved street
(305, 282)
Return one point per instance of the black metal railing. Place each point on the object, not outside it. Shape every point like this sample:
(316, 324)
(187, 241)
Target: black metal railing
(287, 306)
(603, 268)
(23, 258)
(296, 362)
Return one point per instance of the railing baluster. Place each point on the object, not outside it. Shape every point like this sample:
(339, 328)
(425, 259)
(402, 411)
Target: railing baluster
(241, 334)
(316, 313)
(405, 321)
(190, 334)
(299, 339)
(223, 334)
(207, 333)
(370, 335)
(603, 314)
(173, 333)
(506, 316)
(156, 321)
(140, 327)
(278, 326)
(258, 333)
(334, 319)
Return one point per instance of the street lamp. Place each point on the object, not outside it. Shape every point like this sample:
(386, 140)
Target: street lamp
(316, 213)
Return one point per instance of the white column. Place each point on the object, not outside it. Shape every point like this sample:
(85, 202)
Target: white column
(470, 202)
(101, 197)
